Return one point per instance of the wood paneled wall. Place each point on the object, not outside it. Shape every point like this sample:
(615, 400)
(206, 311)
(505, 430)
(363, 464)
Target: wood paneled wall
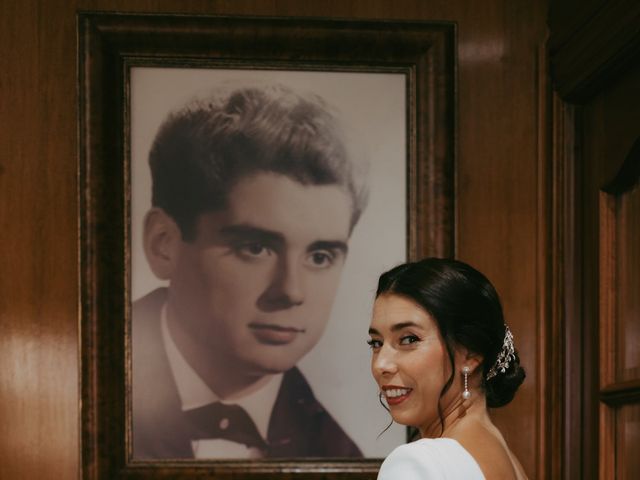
(501, 206)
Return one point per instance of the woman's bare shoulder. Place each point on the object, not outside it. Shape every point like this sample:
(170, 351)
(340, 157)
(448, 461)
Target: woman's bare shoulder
(491, 452)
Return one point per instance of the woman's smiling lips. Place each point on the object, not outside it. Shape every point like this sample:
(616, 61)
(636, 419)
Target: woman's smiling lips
(272, 334)
(395, 395)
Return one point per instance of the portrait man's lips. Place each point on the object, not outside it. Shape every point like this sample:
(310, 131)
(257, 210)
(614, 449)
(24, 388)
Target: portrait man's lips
(272, 334)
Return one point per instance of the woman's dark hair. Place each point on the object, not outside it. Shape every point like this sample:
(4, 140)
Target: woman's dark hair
(468, 313)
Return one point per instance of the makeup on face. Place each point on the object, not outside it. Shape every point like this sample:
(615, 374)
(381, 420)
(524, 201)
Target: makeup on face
(408, 359)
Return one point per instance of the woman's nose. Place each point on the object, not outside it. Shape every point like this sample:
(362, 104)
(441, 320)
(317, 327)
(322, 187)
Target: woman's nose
(383, 362)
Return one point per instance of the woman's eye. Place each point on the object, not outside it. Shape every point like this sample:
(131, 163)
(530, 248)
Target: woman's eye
(374, 344)
(408, 339)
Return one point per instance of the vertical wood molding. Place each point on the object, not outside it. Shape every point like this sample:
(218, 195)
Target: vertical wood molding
(564, 449)
(549, 321)
(606, 320)
(607, 285)
(607, 450)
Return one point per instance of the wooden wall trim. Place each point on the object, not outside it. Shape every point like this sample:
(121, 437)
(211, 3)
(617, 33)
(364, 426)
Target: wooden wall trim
(553, 163)
(555, 309)
(597, 53)
(565, 330)
(621, 393)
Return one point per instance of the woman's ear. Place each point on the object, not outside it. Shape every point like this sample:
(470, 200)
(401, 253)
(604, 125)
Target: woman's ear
(474, 360)
(162, 243)
(468, 358)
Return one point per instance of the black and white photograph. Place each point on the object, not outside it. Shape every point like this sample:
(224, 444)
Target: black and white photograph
(263, 205)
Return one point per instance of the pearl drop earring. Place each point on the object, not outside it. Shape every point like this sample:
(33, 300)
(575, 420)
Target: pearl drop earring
(466, 394)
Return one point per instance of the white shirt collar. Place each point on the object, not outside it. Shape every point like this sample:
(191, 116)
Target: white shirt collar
(194, 392)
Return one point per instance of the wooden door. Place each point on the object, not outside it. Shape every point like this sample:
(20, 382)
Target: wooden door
(595, 56)
(619, 279)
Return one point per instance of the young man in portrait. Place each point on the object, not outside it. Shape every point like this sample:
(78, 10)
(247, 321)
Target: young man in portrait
(254, 198)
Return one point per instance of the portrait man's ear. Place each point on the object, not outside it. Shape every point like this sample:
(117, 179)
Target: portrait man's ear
(162, 240)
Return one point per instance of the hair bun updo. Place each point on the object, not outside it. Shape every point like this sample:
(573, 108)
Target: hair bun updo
(500, 389)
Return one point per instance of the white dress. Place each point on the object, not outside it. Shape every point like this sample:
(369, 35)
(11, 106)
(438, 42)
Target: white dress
(427, 459)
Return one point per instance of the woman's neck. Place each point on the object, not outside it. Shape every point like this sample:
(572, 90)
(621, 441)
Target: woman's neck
(456, 415)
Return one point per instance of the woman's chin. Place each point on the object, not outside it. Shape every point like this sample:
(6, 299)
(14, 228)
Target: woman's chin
(403, 419)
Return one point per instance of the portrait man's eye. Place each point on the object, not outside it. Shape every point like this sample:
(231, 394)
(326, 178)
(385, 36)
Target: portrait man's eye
(253, 250)
(323, 259)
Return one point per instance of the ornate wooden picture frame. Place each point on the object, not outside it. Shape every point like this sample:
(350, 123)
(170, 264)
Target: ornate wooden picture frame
(111, 47)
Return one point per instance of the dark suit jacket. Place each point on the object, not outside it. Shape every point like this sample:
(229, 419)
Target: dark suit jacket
(299, 425)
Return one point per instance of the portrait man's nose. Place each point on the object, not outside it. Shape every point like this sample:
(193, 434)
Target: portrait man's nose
(286, 288)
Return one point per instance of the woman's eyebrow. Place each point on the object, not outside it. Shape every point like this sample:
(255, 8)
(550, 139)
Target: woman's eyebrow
(395, 327)
(400, 326)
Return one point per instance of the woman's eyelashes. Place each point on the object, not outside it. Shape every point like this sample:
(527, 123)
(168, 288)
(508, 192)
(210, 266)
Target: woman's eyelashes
(403, 340)
(409, 339)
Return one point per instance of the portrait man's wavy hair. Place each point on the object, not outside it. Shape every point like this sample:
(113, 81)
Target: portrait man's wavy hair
(204, 148)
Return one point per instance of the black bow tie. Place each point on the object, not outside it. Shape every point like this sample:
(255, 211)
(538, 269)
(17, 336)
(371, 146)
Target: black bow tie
(229, 422)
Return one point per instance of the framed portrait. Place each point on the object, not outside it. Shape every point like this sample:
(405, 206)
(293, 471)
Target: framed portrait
(243, 183)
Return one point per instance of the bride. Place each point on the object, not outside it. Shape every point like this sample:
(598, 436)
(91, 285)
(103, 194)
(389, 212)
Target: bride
(441, 355)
